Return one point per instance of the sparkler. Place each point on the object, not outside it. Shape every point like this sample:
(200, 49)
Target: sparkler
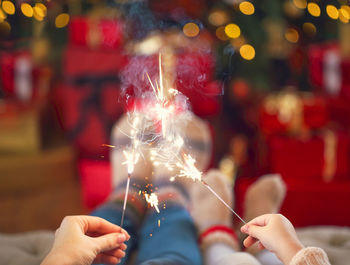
(152, 199)
(131, 159)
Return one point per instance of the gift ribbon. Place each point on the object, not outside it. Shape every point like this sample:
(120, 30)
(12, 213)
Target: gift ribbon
(330, 155)
(93, 100)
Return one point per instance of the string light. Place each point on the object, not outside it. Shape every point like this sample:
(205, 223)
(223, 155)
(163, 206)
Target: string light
(300, 3)
(332, 12)
(247, 52)
(309, 29)
(39, 10)
(220, 33)
(247, 8)
(343, 12)
(62, 20)
(218, 18)
(191, 29)
(314, 9)
(292, 35)
(2, 15)
(27, 10)
(232, 31)
(8, 7)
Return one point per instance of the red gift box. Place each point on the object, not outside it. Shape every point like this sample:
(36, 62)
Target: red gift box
(96, 33)
(88, 100)
(339, 111)
(307, 202)
(320, 157)
(328, 71)
(22, 80)
(194, 78)
(291, 112)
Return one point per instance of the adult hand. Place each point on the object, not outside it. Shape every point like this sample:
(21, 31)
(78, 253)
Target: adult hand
(275, 233)
(82, 240)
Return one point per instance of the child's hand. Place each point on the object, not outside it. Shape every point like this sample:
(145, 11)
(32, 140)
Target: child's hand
(82, 240)
(275, 233)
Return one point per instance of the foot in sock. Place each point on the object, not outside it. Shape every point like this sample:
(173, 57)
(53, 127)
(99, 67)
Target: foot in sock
(212, 219)
(197, 143)
(263, 196)
(142, 171)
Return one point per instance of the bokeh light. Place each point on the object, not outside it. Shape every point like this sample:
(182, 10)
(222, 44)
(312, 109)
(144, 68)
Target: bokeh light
(39, 10)
(300, 3)
(191, 29)
(232, 31)
(309, 29)
(218, 18)
(220, 33)
(247, 52)
(314, 9)
(344, 14)
(237, 43)
(332, 12)
(27, 9)
(5, 28)
(8, 7)
(247, 8)
(2, 15)
(292, 35)
(62, 20)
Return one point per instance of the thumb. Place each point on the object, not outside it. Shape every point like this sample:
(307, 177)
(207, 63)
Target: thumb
(109, 241)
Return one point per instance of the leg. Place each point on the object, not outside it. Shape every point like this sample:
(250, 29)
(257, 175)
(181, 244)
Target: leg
(173, 242)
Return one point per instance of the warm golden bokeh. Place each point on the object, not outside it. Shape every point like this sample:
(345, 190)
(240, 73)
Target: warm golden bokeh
(27, 10)
(247, 8)
(314, 9)
(232, 31)
(247, 52)
(332, 12)
(292, 35)
(62, 20)
(8, 7)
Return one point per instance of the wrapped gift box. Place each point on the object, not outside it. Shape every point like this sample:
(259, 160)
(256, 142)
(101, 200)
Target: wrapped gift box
(38, 190)
(22, 80)
(323, 157)
(21, 128)
(97, 33)
(88, 99)
(307, 202)
(328, 70)
(95, 180)
(291, 112)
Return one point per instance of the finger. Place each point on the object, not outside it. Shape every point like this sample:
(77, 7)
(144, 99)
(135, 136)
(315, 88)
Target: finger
(123, 247)
(249, 241)
(261, 220)
(109, 241)
(106, 259)
(261, 246)
(93, 224)
(118, 253)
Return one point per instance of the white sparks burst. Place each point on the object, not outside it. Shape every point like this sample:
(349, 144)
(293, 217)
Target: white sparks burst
(152, 199)
(188, 169)
(132, 158)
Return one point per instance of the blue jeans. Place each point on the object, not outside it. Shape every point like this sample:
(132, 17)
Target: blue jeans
(173, 242)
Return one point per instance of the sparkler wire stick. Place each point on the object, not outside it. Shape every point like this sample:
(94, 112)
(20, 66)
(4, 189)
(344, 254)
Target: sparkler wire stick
(217, 196)
(125, 199)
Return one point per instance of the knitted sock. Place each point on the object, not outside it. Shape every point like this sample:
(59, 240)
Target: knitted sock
(212, 219)
(136, 205)
(264, 196)
(197, 143)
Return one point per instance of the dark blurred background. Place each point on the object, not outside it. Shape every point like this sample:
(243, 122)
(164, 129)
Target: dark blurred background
(271, 77)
